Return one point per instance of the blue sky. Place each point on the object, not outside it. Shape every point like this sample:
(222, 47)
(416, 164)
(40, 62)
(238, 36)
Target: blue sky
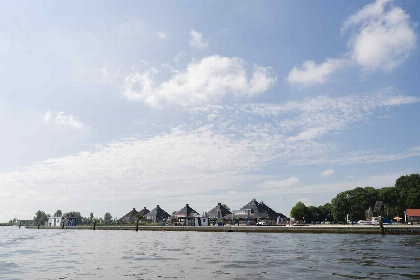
(110, 105)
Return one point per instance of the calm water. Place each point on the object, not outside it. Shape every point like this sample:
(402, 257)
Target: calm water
(83, 254)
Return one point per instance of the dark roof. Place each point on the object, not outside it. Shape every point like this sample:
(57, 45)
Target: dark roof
(186, 211)
(157, 214)
(143, 212)
(219, 211)
(129, 217)
(271, 212)
(259, 211)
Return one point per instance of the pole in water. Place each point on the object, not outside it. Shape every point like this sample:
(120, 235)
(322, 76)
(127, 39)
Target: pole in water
(62, 225)
(381, 225)
(94, 225)
(20, 224)
(137, 225)
(38, 225)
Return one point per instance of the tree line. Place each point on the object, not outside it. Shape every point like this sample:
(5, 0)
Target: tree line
(41, 218)
(404, 195)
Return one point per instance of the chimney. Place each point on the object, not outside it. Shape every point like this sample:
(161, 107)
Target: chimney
(157, 206)
(134, 209)
(144, 208)
(220, 204)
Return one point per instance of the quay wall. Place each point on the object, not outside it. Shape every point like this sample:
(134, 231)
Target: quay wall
(389, 229)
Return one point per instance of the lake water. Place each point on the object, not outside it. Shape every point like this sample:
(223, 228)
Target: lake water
(87, 254)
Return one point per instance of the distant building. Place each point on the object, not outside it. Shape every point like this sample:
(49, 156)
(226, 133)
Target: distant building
(58, 221)
(218, 212)
(376, 211)
(189, 217)
(143, 212)
(413, 216)
(255, 211)
(187, 211)
(157, 215)
(130, 217)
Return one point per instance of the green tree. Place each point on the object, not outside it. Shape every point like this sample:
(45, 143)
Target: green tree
(58, 213)
(326, 212)
(79, 218)
(40, 217)
(394, 204)
(107, 217)
(341, 206)
(139, 217)
(409, 190)
(313, 214)
(299, 211)
(354, 203)
(91, 216)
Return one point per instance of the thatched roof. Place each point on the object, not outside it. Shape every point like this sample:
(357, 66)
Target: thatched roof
(218, 212)
(187, 211)
(129, 217)
(143, 212)
(256, 210)
(157, 214)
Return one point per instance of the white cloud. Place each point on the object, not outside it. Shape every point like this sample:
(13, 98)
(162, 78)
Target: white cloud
(311, 118)
(202, 161)
(209, 80)
(327, 173)
(179, 56)
(296, 128)
(385, 36)
(384, 39)
(47, 116)
(196, 40)
(177, 163)
(63, 120)
(161, 34)
(311, 74)
(281, 184)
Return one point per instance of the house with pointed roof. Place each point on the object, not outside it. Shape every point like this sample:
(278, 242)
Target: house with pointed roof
(143, 212)
(130, 217)
(254, 211)
(413, 216)
(187, 211)
(157, 215)
(218, 212)
(189, 217)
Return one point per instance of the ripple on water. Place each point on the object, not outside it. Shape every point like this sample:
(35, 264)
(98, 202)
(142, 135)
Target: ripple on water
(73, 254)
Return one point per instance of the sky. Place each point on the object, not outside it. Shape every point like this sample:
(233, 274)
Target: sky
(107, 106)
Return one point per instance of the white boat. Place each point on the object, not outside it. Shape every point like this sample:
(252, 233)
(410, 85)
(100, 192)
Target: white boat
(374, 221)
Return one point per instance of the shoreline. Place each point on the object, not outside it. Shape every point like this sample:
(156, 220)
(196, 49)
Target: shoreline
(356, 229)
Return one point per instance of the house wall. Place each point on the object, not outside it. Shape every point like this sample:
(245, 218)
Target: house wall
(414, 219)
(54, 222)
(204, 221)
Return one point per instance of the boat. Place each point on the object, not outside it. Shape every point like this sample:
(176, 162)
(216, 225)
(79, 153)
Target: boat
(365, 222)
(375, 221)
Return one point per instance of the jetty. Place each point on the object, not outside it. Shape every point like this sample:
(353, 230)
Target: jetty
(356, 229)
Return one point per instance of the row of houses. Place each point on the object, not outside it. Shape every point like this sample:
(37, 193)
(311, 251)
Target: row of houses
(251, 213)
